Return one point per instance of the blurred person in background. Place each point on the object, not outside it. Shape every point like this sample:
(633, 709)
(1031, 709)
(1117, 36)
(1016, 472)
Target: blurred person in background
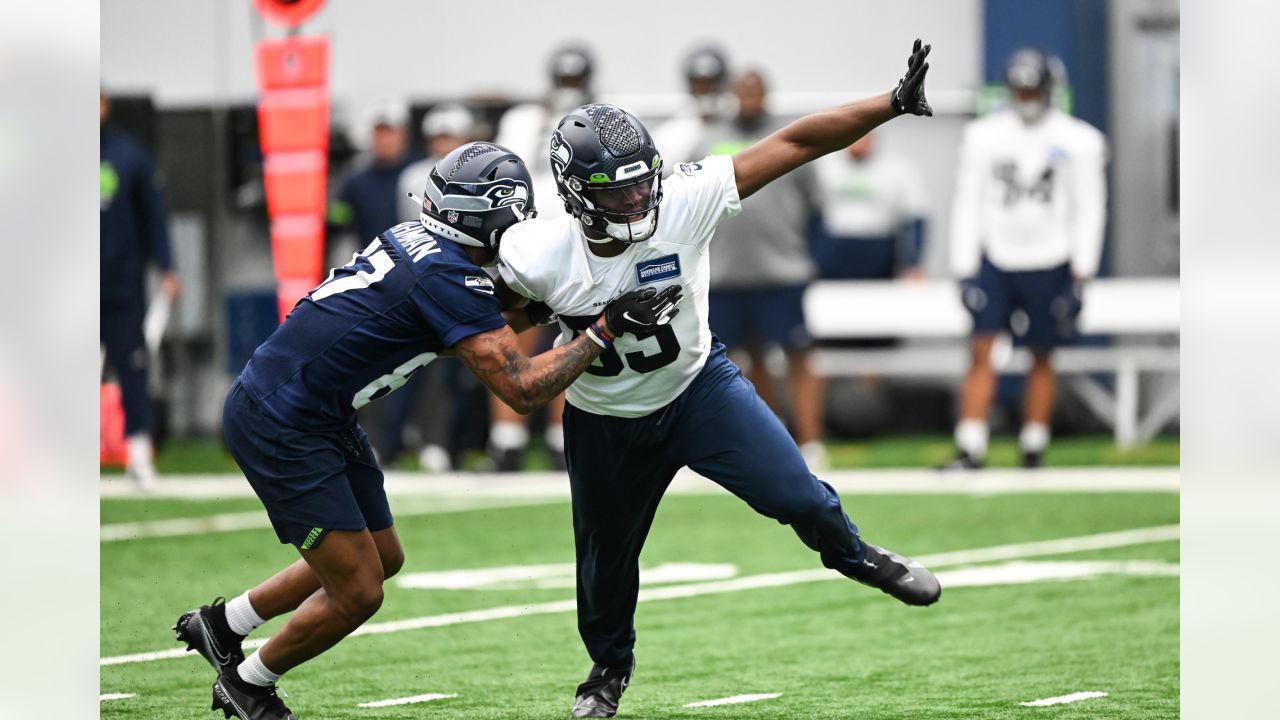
(762, 266)
(368, 201)
(524, 130)
(133, 233)
(446, 127)
(706, 75)
(1027, 230)
(872, 225)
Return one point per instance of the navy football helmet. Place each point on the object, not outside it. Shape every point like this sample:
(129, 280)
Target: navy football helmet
(475, 193)
(1031, 76)
(608, 172)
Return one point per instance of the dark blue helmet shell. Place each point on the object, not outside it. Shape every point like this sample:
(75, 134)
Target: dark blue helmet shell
(475, 193)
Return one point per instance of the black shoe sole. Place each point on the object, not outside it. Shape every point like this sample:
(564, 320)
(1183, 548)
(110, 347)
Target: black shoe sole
(222, 701)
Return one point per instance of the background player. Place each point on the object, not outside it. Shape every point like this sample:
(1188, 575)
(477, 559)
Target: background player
(133, 233)
(1027, 226)
(415, 292)
(761, 268)
(671, 398)
(525, 129)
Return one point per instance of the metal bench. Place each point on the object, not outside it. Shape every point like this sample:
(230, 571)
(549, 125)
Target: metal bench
(1140, 315)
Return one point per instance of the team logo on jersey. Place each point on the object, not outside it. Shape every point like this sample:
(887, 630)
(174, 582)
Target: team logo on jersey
(479, 283)
(689, 168)
(662, 268)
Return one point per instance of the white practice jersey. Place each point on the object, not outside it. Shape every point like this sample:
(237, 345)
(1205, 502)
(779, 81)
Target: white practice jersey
(548, 261)
(1029, 196)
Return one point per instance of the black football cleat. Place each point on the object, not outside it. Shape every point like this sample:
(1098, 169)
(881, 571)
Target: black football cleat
(1032, 460)
(599, 695)
(963, 461)
(901, 577)
(507, 461)
(206, 631)
(238, 698)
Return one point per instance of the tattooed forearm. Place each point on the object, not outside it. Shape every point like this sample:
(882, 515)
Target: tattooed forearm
(520, 381)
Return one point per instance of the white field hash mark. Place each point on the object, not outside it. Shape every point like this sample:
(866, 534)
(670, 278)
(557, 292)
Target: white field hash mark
(1015, 551)
(1064, 699)
(734, 700)
(116, 696)
(428, 697)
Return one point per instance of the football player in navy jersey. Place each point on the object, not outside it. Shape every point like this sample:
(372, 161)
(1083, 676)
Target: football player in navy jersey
(416, 292)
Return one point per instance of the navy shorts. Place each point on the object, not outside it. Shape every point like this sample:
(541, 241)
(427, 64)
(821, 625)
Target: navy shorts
(310, 482)
(1047, 298)
(770, 316)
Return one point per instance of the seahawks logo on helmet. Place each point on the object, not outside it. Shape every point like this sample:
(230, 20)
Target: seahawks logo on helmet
(475, 193)
(561, 153)
(516, 194)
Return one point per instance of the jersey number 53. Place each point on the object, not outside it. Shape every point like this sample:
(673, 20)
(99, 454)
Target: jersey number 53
(611, 363)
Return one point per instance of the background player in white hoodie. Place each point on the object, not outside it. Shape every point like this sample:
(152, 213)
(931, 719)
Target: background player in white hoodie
(1027, 228)
(671, 398)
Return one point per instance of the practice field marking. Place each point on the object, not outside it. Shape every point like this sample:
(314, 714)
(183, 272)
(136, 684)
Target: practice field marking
(1016, 551)
(734, 700)
(1064, 699)
(428, 697)
(687, 482)
(556, 575)
(116, 696)
(257, 519)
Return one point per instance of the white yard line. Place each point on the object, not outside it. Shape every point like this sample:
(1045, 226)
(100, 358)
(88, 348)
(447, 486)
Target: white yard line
(734, 700)
(428, 697)
(115, 696)
(257, 519)
(687, 482)
(1064, 699)
(1014, 551)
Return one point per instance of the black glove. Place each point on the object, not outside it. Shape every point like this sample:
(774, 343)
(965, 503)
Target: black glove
(908, 97)
(642, 312)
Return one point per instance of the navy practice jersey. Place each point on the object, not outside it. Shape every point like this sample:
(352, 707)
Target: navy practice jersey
(371, 324)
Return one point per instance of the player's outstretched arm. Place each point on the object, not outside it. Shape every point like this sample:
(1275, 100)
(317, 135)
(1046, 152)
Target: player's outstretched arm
(815, 135)
(526, 383)
(522, 382)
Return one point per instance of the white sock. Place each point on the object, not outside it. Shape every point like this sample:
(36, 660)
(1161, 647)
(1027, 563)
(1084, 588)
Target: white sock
(508, 436)
(1034, 437)
(971, 438)
(140, 452)
(254, 672)
(241, 616)
(554, 436)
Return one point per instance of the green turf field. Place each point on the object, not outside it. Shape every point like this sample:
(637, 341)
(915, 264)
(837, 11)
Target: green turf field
(829, 648)
(208, 456)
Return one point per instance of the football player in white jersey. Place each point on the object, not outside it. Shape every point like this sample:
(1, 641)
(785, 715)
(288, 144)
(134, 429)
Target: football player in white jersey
(670, 399)
(1027, 227)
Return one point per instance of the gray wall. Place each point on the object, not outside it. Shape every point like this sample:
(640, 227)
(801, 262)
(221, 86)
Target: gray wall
(198, 51)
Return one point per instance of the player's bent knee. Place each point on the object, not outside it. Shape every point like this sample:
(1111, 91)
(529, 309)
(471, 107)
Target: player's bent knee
(360, 601)
(392, 561)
